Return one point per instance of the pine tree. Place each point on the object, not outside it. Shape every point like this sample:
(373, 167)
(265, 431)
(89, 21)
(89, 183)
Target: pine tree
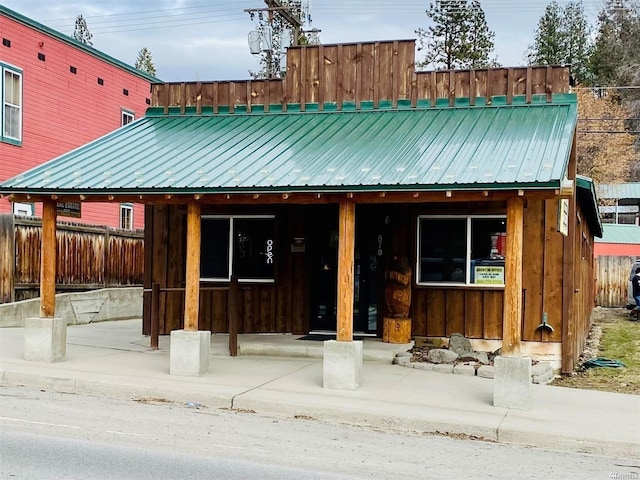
(144, 62)
(562, 38)
(81, 32)
(458, 37)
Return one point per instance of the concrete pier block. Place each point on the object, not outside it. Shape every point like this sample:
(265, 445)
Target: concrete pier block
(512, 383)
(189, 352)
(342, 365)
(45, 339)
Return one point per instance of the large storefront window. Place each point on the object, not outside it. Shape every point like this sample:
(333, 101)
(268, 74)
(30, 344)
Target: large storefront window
(467, 250)
(242, 245)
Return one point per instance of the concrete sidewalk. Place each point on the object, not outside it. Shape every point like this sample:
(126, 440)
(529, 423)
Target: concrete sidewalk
(113, 359)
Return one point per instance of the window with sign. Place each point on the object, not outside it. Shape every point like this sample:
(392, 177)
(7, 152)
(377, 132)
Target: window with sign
(240, 245)
(461, 250)
(11, 97)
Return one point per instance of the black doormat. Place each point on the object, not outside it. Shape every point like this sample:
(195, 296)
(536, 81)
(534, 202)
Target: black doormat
(317, 337)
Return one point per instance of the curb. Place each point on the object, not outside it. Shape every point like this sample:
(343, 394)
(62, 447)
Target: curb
(334, 409)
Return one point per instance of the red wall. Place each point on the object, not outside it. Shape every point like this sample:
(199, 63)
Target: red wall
(616, 249)
(62, 110)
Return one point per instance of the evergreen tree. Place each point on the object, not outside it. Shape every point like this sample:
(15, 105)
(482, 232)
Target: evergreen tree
(562, 38)
(81, 32)
(617, 45)
(144, 62)
(458, 37)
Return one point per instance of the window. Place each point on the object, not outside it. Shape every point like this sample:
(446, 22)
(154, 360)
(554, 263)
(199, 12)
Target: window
(126, 216)
(127, 117)
(466, 250)
(24, 209)
(244, 245)
(11, 115)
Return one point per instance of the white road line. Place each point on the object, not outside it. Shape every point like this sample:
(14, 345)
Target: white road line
(39, 423)
(125, 433)
(238, 448)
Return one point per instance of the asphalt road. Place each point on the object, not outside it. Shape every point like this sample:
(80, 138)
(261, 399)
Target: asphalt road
(53, 436)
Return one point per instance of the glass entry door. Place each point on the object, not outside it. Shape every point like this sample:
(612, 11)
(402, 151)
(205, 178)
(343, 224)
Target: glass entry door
(369, 251)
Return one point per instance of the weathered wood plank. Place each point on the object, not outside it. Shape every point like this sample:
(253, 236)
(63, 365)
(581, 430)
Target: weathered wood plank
(532, 282)
(493, 314)
(419, 312)
(553, 297)
(473, 313)
(7, 258)
(455, 314)
(436, 313)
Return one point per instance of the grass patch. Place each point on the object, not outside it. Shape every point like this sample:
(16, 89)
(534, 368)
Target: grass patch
(620, 341)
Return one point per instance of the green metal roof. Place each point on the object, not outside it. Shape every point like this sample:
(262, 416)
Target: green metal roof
(589, 202)
(13, 15)
(616, 233)
(619, 190)
(524, 146)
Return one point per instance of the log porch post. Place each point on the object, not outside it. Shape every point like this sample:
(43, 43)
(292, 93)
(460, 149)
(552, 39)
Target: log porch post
(512, 377)
(343, 357)
(512, 313)
(48, 260)
(192, 287)
(346, 258)
(45, 336)
(189, 352)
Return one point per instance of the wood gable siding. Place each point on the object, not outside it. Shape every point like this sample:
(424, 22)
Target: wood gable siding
(355, 73)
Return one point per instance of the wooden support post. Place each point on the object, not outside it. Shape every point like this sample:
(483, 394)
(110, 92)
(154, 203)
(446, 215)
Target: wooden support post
(512, 314)
(346, 246)
(192, 287)
(569, 275)
(232, 309)
(155, 315)
(48, 260)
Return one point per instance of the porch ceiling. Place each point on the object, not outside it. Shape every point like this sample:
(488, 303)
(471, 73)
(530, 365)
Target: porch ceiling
(489, 147)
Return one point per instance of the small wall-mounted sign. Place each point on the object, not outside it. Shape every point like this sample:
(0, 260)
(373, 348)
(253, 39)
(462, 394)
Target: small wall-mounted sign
(298, 245)
(69, 209)
(486, 275)
(269, 256)
(563, 216)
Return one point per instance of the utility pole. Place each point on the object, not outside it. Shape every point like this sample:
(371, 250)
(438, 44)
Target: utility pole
(283, 11)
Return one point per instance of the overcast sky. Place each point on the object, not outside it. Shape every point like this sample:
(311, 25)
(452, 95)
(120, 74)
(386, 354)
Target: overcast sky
(207, 39)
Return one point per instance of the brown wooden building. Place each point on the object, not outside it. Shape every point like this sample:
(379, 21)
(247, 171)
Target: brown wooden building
(305, 189)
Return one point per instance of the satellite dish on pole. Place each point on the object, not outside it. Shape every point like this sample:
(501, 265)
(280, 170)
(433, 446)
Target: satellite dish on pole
(254, 42)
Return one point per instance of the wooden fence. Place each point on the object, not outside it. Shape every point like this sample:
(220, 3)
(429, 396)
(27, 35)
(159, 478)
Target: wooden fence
(88, 257)
(612, 279)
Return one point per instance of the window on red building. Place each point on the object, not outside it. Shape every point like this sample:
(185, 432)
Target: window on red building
(11, 114)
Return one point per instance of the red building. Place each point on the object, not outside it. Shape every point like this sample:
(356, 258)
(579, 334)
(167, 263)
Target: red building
(58, 94)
